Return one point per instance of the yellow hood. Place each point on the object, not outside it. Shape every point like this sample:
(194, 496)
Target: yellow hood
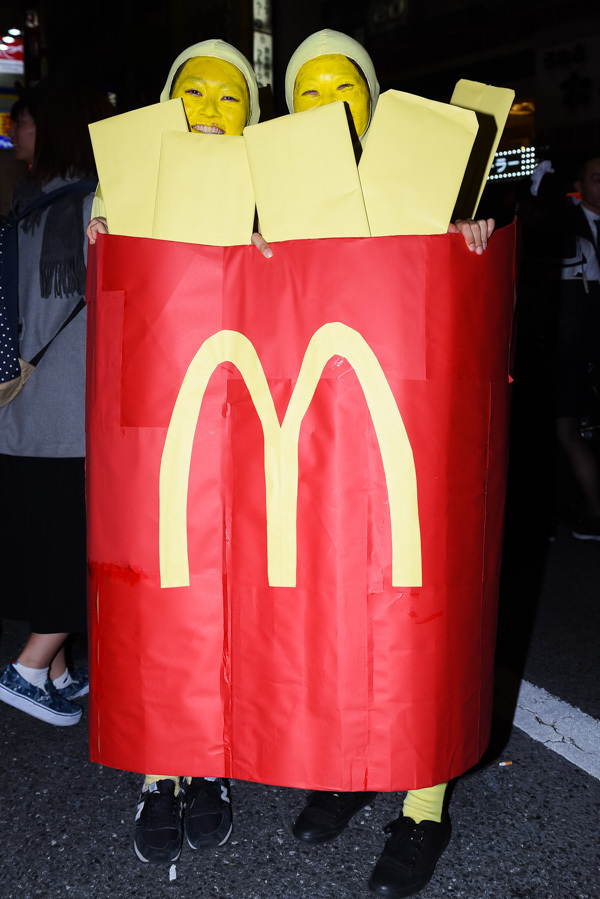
(219, 50)
(321, 43)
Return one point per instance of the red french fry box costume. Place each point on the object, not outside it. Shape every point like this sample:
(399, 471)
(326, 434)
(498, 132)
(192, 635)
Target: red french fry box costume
(391, 463)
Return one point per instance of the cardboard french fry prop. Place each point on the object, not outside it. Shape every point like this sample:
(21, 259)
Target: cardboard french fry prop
(304, 174)
(204, 191)
(127, 154)
(413, 162)
(296, 469)
(295, 485)
(492, 106)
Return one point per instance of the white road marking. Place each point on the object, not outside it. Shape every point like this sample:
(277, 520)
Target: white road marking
(561, 727)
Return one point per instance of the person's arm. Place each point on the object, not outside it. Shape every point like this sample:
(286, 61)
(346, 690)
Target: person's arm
(475, 232)
(98, 223)
(95, 227)
(98, 226)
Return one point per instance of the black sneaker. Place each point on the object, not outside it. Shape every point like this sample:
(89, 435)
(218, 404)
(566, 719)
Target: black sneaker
(158, 831)
(207, 819)
(326, 814)
(409, 856)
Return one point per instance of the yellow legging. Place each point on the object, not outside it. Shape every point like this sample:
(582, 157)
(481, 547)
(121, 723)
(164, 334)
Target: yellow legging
(425, 804)
(152, 779)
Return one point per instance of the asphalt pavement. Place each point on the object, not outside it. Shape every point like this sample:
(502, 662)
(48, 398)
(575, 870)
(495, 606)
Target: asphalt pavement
(529, 829)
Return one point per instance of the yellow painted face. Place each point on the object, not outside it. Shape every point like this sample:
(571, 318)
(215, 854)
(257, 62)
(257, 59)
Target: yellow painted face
(215, 96)
(331, 77)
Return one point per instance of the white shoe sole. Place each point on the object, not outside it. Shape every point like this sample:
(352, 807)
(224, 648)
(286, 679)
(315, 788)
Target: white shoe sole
(146, 861)
(210, 845)
(30, 707)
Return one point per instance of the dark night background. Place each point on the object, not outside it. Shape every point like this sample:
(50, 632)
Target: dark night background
(547, 51)
(422, 47)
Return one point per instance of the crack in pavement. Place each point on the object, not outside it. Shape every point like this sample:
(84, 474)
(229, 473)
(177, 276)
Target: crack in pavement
(538, 712)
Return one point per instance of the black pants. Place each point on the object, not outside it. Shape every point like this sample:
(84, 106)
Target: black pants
(42, 542)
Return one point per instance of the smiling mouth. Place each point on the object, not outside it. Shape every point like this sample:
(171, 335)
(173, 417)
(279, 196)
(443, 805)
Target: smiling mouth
(208, 129)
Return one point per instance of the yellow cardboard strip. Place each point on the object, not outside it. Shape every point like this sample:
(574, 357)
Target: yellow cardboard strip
(204, 192)
(127, 152)
(492, 106)
(413, 163)
(305, 178)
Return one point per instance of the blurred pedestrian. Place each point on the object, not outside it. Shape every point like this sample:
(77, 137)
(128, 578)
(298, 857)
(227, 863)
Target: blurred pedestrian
(578, 340)
(42, 528)
(23, 129)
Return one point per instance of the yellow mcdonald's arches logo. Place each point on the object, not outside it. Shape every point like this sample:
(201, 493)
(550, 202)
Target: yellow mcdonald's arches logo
(281, 452)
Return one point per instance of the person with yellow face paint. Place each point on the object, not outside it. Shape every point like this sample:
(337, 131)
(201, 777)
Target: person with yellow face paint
(214, 94)
(328, 67)
(332, 77)
(220, 96)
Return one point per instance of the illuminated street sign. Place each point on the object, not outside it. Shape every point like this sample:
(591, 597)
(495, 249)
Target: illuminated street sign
(513, 164)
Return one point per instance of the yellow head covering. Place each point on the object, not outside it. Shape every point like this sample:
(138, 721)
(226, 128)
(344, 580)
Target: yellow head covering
(322, 43)
(219, 50)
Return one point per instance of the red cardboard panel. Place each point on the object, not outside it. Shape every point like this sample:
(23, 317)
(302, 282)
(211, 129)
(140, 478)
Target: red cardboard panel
(346, 680)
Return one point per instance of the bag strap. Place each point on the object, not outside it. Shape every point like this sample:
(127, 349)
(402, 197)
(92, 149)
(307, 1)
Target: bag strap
(74, 312)
(83, 186)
